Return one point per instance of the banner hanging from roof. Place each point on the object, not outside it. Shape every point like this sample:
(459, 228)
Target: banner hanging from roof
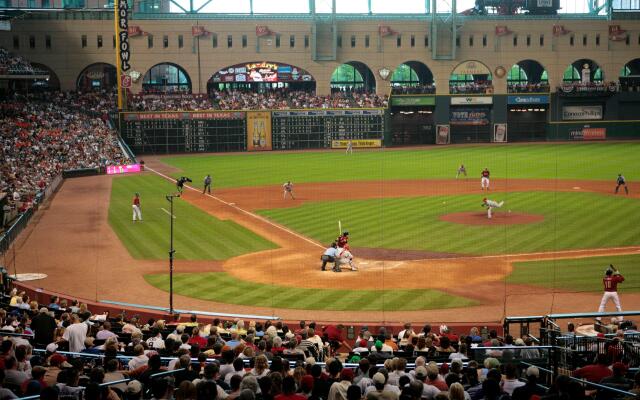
(198, 30)
(263, 71)
(263, 30)
(471, 68)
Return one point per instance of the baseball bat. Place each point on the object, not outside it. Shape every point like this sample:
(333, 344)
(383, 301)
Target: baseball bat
(339, 228)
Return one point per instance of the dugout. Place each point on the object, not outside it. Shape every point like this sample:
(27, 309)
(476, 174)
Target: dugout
(412, 120)
(527, 116)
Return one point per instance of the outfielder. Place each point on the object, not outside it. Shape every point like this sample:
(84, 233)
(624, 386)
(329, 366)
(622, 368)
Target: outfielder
(288, 188)
(461, 171)
(611, 279)
(349, 147)
(136, 208)
(621, 182)
(484, 180)
(490, 204)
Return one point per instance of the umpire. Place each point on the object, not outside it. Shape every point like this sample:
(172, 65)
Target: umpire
(329, 255)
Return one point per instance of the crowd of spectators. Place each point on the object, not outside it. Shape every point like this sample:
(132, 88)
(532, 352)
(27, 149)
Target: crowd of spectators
(471, 88)
(243, 100)
(417, 89)
(43, 134)
(13, 64)
(267, 361)
(540, 87)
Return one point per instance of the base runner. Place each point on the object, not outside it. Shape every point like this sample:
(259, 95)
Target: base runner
(610, 281)
(490, 205)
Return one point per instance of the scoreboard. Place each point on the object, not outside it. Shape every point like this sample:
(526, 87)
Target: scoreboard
(184, 132)
(315, 129)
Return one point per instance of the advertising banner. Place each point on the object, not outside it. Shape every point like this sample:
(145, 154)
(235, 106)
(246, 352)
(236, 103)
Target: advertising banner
(500, 133)
(123, 169)
(183, 115)
(471, 68)
(263, 71)
(258, 130)
(587, 133)
(528, 99)
(578, 113)
(470, 116)
(471, 100)
(443, 134)
(359, 143)
(407, 101)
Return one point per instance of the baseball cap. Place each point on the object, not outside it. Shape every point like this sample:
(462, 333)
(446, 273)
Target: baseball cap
(421, 372)
(52, 347)
(378, 344)
(346, 374)
(378, 378)
(134, 387)
(306, 383)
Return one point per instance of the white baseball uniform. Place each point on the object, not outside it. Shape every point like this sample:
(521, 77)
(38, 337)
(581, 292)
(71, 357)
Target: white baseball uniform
(490, 204)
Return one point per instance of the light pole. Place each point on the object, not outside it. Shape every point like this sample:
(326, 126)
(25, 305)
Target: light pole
(170, 198)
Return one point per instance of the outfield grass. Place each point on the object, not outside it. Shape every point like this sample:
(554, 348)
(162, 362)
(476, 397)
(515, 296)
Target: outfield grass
(197, 235)
(221, 287)
(591, 161)
(572, 221)
(580, 274)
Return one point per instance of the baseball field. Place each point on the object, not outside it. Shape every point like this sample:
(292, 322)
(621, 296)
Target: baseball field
(421, 238)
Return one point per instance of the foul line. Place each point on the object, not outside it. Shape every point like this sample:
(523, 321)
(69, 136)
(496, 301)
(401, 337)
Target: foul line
(172, 216)
(232, 205)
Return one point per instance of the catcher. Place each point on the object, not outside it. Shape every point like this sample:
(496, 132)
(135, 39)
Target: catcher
(611, 279)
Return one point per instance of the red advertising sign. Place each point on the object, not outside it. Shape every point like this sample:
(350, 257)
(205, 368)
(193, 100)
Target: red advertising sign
(125, 81)
(594, 133)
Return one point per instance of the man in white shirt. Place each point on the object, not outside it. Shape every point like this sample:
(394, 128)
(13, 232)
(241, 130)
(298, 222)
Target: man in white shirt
(75, 334)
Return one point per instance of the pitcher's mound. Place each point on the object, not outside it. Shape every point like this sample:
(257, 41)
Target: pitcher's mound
(499, 218)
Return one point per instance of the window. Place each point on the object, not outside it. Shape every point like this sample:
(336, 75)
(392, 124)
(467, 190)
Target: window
(597, 39)
(229, 41)
(83, 41)
(339, 41)
(353, 40)
(484, 40)
(426, 40)
(99, 41)
(214, 40)
(515, 40)
(165, 41)
(399, 41)
(413, 40)
(470, 40)
(16, 41)
(572, 40)
(292, 41)
(277, 40)
(541, 40)
(528, 40)
(150, 42)
(306, 41)
(47, 41)
(366, 41)
(180, 41)
(244, 41)
(457, 40)
(584, 40)
(32, 42)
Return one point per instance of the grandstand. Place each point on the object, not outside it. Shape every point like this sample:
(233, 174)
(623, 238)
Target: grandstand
(383, 115)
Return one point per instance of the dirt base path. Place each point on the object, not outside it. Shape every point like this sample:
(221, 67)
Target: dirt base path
(101, 268)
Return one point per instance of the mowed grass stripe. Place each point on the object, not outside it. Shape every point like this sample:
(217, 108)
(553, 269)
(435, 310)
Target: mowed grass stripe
(573, 220)
(581, 274)
(221, 287)
(197, 235)
(601, 161)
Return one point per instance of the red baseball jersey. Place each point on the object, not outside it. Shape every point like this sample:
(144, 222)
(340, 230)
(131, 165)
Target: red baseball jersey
(611, 282)
(136, 201)
(485, 174)
(343, 241)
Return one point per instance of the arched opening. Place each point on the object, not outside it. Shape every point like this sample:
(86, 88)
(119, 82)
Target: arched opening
(50, 83)
(630, 76)
(412, 77)
(261, 77)
(582, 71)
(166, 78)
(353, 76)
(470, 77)
(527, 76)
(98, 76)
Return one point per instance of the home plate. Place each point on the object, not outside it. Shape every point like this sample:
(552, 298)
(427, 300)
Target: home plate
(577, 187)
(29, 277)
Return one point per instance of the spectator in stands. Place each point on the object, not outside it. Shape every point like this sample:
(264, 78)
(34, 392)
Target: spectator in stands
(261, 367)
(238, 369)
(595, 372)
(618, 379)
(13, 378)
(510, 382)
(68, 386)
(530, 388)
(105, 332)
(113, 374)
(289, 390)
(139, 358)
(338, 390)
(75, 334)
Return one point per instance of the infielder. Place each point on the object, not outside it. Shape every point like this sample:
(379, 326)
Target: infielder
(207, 184)
(484, 180)
(288, 188)
(621, 182)
(490, 204)
(461, 170)
(136, 208)
(611, 279)
(349, 147)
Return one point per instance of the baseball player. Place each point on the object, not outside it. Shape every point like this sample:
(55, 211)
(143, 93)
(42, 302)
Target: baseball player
(461, 171)
(329, 255)
(288, 188)
(621, 182)
(180, 183)
(484, 180)
(611, 279)
(343, 240)
(207, 184)
(349, 147)
(490, 205)
(136, 208)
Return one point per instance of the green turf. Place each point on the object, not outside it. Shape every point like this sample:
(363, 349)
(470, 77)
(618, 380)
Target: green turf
(197, 235)
(572, 221)
(580, 274)
(600, 161)
(221, 287)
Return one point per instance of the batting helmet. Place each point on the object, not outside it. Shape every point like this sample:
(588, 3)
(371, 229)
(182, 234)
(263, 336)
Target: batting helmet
(345, 233)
